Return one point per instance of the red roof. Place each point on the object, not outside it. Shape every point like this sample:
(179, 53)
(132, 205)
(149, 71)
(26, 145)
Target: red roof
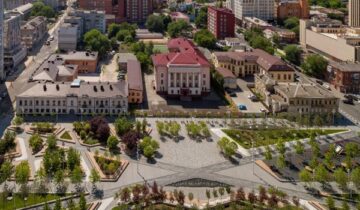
(182, 52)
(225, 72)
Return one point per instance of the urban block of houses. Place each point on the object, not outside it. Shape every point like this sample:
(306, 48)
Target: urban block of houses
(33, 31)
(75, 97)
(183, 72)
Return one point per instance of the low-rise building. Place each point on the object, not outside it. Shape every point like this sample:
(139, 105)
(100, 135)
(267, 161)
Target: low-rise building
(229, 79)
(68, 37)
(85, 60)
(285, 35)
(54, 69)
(345, 76)
(243, 64)
(134, 79)
(75, 97)
(221, 22)
(254, 22)
(33, 31)
(183, 72)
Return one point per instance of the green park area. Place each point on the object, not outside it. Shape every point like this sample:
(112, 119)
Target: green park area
(18, 200)
(271, 136)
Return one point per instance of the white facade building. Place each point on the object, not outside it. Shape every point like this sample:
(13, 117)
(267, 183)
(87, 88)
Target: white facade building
(68, 37)
(262, 9)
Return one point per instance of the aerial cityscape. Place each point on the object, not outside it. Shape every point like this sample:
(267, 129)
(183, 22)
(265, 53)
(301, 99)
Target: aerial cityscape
(180, 104)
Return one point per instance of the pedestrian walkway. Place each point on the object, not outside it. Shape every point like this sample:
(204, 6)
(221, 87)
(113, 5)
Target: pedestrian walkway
(24, 154)
(218, 132)
(105, 203)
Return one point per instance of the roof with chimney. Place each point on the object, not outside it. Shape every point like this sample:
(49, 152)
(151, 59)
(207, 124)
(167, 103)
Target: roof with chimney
(83, 89)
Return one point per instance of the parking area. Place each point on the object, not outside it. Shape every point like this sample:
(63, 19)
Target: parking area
(242, 98)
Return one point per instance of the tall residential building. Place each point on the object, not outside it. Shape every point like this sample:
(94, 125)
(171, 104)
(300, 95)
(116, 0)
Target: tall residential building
(123, 10)
(221, 22)
(68, 37)
(2, 72)
(262, 9)
(33, 31)
(354, 13)
(87, 20)
(14, 51)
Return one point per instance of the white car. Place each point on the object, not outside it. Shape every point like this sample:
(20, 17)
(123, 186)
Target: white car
(263, 110)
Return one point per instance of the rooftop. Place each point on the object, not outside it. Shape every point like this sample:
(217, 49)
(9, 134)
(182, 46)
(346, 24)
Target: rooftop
(346, 66)
(225, 72)
(134, 75)
(84, 89)
(300, 90)
(80, 55)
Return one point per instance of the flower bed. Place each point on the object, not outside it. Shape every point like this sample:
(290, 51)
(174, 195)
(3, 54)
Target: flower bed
(271, 136)
(108, 166)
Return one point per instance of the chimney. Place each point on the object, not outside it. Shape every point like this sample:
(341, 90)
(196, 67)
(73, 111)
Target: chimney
(44, 87)
(57, 87)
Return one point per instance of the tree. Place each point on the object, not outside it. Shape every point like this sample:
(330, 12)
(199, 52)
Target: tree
(6, 171)
(268, 154)
(345, 206)
(149, 146)
(59, 177)
(281, 161)
(36, 143)
(291, 22)
(355, 177)
(201, 18)
(94, 176)
(100, 127)
(57, 205)
(73, 158)
(205, 38)
(178, 28)
(318, 121)
(208, 194)
(46, 206)
(95, 41)
(321, 174)
(299, 148)
(293, 54)
(240, 194)
(122, 34)
(40, 9)
(51, 142)
(305, 176)
(123, 125)
(341, 178)
(314, 65)
(112, 142)
(113, 29)
(130, 139)
(227, 147)
(82, 202)
(252, 197)
(18, 120)
(352, 149)
(280, 146)
(181, 198)
(155, 23)
(76, 176)
(22, 172)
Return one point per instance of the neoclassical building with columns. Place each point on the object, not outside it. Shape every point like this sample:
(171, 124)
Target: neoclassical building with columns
(183, 72)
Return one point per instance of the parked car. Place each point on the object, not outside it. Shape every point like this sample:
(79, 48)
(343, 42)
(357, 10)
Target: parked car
(263, 110)
(242, 107)
(47, 43)
(51, 38)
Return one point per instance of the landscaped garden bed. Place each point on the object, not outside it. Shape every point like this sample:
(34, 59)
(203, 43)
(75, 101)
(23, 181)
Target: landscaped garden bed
(93, 132)
(264, 137)
(66, 136)
(43, 128)
(17, 201)
(109, 168)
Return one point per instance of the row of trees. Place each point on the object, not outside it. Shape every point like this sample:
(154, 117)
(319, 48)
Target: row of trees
(197, 130)
(171, 128)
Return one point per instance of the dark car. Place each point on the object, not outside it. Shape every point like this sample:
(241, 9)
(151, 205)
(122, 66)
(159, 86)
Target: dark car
(348, 101)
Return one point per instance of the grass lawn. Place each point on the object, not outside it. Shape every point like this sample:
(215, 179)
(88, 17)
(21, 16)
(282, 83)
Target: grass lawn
(162, 48)
(66, 135)
(18, 201)
(271, 136)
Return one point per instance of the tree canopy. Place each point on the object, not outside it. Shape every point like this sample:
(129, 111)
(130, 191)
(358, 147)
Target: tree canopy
(293, 54)
(315, 65)
(96, 41)
(178, 28)
(40, 9)
(205, 38)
